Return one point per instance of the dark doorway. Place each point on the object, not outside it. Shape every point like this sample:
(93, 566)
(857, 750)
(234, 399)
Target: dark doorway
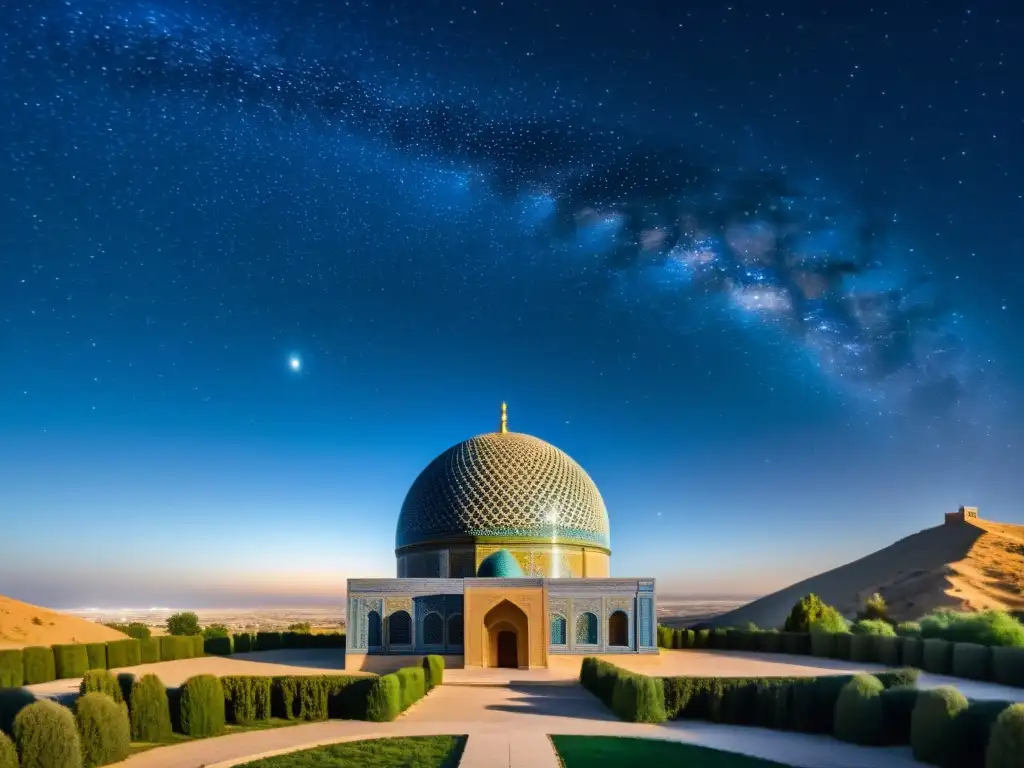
(508, 651)
(618, 629)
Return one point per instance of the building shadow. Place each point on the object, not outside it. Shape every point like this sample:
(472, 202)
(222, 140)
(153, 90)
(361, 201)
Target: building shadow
(555, 699)
(322, 658)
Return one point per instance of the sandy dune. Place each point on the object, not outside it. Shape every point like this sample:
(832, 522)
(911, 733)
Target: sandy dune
(965, 566)
(22, 624)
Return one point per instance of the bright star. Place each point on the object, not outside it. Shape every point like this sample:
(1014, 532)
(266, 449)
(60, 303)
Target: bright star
(294, 363)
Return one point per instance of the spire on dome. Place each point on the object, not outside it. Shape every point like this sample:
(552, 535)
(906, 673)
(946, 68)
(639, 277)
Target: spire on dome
(503, 429)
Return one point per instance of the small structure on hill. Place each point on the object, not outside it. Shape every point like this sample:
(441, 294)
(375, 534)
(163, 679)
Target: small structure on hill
(962, 515)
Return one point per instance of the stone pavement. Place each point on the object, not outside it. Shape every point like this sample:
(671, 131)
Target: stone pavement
(508, 727)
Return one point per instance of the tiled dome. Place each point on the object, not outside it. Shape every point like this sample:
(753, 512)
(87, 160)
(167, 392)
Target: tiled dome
(503, 486)
(501, 564)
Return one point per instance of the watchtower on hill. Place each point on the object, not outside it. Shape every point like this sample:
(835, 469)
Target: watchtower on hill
(962, 515)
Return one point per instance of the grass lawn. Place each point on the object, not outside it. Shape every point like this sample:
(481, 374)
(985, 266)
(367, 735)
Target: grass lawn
(410, 752)
(614, 751)
(180, 738)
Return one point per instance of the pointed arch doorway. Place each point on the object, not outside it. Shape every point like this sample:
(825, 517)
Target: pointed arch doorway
(508, 637)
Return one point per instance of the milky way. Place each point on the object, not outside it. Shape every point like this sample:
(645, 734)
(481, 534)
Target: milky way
(759, 246)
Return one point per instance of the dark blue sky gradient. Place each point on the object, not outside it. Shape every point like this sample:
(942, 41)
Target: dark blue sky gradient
(756, 269)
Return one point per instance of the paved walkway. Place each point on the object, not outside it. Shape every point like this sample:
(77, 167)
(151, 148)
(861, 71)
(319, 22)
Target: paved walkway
(508, 727)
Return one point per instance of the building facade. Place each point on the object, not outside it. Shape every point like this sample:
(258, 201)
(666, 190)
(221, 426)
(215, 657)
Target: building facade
(503, 555)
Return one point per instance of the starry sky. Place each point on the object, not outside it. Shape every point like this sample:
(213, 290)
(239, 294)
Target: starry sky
(755, 265)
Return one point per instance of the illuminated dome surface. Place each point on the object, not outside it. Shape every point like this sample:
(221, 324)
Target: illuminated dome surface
(503, 486)
(501, 564)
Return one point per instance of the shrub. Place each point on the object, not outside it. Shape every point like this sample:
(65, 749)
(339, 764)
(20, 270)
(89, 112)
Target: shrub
(897, 709)
(124, 653)
(70, 660)
(135, 629)
(983, 628)
(150, 712)
(1006, 742)
(973, 731)
(101, 681)
(862, 648)
(887, 650)
(197, 643)
(908, 629)
(202, 706)
(39, 665)
(47, 736)
(798, 643)
(933, 735)
(383, 699)
(267, 641)
(103, 729)
(858, 713)
(312, 697)
(174, 648)
(873, 627)
(183, 624)
(1008, 666)
(702, 638)
(433, 666)
(823, 644)
(414, 685)
(96, 654)
(215, 630)
(242, 642)
(913, 652)
(218, 646)
(937, 656)
(247, 698)
(844, 646)
(719, 639)
(8, 752)
(875, 609)
(972, 661)
(829, 620)
(12, 701)
(149, 650)
(664, 636)
(899, 677)
(12, 668)
(639, 699)
(807, 611)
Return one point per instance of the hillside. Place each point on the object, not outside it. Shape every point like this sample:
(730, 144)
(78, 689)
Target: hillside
(22, 624)
(964, 566)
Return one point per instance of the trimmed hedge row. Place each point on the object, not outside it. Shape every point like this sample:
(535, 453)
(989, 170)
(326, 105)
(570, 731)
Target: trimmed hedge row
(940, 725)
(271, 641)
(998, 664)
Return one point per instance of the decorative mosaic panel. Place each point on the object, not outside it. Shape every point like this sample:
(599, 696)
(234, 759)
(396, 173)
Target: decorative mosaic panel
(646, 604)
(433, 629)
(558, 629)
(503, 484)
(586, 629)
(558, 605)
(455, 630)
(366, 607)
(620, 604)
(399, 604)
(423, 565)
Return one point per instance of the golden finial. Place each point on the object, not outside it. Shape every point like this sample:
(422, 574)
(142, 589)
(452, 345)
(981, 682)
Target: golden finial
(504, 418)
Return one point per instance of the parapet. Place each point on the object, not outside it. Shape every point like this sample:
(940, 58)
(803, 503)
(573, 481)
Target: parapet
(963, 515)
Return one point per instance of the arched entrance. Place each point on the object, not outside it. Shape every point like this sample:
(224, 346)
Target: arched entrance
(507, 636)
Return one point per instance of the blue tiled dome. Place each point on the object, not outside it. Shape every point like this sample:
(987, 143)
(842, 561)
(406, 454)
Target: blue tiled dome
(501, 564)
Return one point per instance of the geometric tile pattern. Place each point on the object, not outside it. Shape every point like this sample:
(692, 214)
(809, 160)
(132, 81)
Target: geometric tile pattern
(646, 639)
(504, 485)
(586, 629)
(557, 629)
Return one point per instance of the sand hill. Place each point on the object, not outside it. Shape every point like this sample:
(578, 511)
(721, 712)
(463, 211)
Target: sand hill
(22, 624)
(975, 565)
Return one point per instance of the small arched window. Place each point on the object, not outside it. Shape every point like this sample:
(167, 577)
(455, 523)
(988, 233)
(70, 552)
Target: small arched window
(586, 629)
(455, 629)
(373, 630)
(399, 628)
(433, 629)
(618, 629)
(557, 629)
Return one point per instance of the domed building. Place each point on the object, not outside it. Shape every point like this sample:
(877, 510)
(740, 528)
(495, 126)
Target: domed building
(503, 552)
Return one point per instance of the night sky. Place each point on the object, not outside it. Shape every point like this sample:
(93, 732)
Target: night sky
(755, 265)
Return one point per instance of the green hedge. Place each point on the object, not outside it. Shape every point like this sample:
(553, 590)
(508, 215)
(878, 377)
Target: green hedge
(937, 656)
(823, 644)
(39, 665)
(101, 681)
(1006, 742)
(897, 710)
(12, 668)
(198, 646)
(933, 735)
(638, 698)
(103, 729)
(796, 643)
(124, 653)
(433, 665)
(972, 661)
(218, 646)
(175, 647)
(888, 650)
(71, 660)
(8, 752)
(702, 638)
(974, 727)
(202, 706)
(247, 698)
(268, 641)
(149, 649)
(858, 713)
(97, 653)
(313, 697)
(309, 640)
(769, 642)
(242, 642)
(913, 652)
(413, 683)
(844, 645)
(862, 648)
(12, 701)
(1008, 666)
(47, 736)
(150, 710)
(383, 699)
